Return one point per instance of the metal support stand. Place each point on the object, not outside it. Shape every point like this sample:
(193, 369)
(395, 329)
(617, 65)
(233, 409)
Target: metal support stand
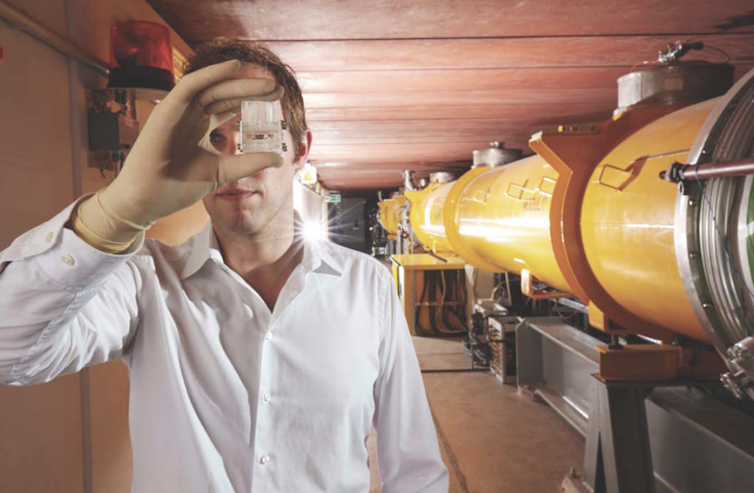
(700, 443)
(618, 458)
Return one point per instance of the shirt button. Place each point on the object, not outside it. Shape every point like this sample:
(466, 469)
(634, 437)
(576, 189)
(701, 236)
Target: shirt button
(267, 396)
(67, 260)
(264, 459)
(268, 336)
(50, 236)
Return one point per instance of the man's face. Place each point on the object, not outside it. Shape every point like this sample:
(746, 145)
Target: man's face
(250, 204)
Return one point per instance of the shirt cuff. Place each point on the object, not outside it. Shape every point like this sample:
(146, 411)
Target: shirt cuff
(73, 263)
(68, 260)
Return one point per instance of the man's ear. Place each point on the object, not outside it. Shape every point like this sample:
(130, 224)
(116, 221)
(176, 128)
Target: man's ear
(303, 149)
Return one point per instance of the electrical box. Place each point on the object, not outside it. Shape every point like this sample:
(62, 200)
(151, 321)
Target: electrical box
(113, 124)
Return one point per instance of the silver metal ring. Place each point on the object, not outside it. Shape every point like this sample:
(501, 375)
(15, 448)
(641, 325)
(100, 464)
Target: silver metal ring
(715, 279)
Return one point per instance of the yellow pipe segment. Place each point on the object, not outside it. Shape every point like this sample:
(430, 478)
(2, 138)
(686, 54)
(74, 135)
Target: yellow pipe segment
(390, 213)
(427, 207)
(627, 222)
(588, 215)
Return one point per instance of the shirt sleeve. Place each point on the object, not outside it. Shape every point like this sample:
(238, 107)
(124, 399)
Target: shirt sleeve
(407, 449)
(63, 304)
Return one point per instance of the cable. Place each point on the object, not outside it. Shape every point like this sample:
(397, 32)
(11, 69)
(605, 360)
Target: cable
(432, 312)
(418, 309)
(439, 315)
(443, 314)
(645, 62)
(723, 52)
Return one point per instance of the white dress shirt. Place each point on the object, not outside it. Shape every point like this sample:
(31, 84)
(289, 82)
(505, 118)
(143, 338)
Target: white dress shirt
(227, 396)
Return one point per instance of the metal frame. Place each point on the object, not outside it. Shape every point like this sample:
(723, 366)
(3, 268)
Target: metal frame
(687, 246)
(618, 456)
(697, 443)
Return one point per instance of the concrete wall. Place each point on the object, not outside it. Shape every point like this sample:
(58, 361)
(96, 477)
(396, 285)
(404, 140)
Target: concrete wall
(70, 435)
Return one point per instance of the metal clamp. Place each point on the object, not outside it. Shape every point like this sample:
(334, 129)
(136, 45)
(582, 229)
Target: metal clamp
(615, 168)
(541, 189)
(522, 189)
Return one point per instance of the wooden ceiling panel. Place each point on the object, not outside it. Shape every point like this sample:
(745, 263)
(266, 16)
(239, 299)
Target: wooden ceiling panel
(396, 81)
(379, 154)
(555, 113)
(314, 56)
(465, 80)
(391, 19)
(387, 177)
(420, 84)
(420, 131)
(453, 98)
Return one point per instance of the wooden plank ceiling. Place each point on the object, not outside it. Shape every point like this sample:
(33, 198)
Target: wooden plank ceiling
(393, 85)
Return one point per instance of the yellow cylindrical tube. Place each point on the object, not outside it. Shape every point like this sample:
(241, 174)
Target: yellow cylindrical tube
(390, 213)
(500, 219)
(627, 221)
(427, 216)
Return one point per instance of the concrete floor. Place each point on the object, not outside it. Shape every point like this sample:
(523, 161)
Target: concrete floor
(493, 440)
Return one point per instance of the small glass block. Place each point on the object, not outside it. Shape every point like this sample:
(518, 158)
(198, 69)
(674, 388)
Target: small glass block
(261, 127)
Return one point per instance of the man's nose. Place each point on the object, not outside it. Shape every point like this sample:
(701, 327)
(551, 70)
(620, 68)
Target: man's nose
(236, 140)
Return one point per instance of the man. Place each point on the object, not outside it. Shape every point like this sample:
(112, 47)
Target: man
(258, 361)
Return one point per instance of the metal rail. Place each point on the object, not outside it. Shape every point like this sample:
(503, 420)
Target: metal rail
(681, 172)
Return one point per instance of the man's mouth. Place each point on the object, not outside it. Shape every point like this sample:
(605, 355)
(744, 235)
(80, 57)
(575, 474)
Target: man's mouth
(235, 194)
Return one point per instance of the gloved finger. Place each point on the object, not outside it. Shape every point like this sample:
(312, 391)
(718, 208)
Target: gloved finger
(192, 84)
(232, 168)
(235, 104)
(215, 121)
(235, 89)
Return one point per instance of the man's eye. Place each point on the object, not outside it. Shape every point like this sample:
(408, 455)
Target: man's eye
(215, 137)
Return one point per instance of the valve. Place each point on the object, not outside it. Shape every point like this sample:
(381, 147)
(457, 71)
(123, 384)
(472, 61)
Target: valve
(740, 380)
(675, 51)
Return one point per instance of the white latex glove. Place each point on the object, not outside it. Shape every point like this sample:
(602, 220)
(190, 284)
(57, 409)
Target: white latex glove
(171, 166)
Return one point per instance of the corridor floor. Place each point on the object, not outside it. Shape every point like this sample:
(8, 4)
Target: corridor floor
(493, 440)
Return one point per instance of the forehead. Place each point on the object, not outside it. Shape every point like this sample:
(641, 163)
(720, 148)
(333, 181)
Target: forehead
(253, 72)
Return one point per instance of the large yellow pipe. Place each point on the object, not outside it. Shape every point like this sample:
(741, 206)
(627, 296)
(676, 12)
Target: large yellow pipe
(627, 222)
(503, 219)
(499, 219)
(390, 213)
(427, 208)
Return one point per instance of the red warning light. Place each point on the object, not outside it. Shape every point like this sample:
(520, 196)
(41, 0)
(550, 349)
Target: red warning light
(141, 55)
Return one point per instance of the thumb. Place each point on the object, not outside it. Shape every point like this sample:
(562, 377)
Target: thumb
(232, 168)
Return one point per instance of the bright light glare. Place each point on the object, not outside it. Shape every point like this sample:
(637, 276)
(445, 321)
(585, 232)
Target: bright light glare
(313, 232)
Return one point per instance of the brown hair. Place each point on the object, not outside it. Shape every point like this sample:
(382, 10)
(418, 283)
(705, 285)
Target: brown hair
(252, 53)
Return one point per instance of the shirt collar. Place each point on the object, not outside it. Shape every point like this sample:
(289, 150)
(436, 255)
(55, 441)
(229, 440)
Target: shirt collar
(204, 246)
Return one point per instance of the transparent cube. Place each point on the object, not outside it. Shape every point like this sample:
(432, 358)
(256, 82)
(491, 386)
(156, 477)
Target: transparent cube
(261, 127)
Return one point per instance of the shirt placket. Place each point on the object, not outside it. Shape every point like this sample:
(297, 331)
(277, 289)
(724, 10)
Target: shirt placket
(263, 456)
(266, 456)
